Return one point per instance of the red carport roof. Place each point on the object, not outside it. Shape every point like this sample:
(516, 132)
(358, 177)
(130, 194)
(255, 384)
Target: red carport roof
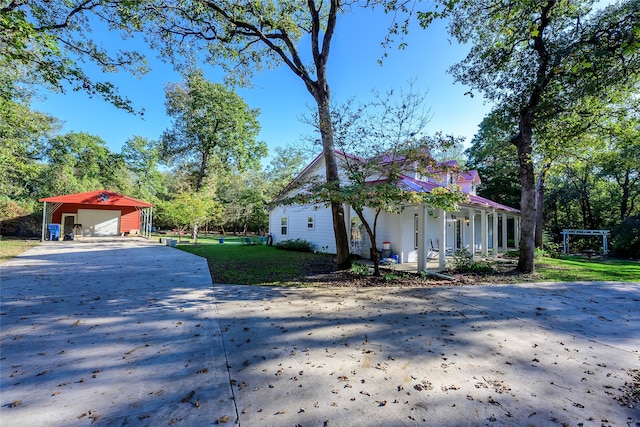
(98, 197)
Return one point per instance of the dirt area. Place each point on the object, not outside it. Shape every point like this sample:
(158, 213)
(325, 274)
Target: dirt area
(322, 273)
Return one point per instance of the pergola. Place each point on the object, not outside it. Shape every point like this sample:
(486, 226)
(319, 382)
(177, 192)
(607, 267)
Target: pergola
(567, 233)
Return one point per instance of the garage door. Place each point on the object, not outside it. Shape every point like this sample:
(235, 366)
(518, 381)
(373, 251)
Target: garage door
(99, 223)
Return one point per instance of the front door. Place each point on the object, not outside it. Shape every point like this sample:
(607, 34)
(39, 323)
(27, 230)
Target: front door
(68, 220)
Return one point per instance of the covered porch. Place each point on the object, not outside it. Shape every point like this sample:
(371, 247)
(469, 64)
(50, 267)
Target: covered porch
(421, 237)
(484, 231)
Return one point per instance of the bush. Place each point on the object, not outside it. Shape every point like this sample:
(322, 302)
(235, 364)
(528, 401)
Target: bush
(550, 247)
(360, 270)
(482, 268)
(298, 245)
(462, 262)
(20, 218)
(626, 239)
(462, 259)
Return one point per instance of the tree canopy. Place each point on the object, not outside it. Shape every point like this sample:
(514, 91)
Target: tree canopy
(210, 120)
(537, 59)
(45, 42)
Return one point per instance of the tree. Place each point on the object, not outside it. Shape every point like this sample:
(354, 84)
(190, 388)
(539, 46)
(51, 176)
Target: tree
(496, 160)
(44, 42)
(142, 157)
(186, 210)
(210, 121)
(80, 162)
(23, 135)
(380, 143)
(285, 164)
(621, 159)
(539, 58)
(246, 36)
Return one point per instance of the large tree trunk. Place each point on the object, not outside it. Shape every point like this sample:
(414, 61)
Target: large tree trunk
(202, 170)
(522, 141)
(337, 211)
(319, 89)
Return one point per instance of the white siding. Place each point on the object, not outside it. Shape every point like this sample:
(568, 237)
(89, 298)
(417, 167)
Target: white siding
(321, 235)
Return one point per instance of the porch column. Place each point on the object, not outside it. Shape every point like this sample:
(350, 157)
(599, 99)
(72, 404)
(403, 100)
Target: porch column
(442, 246)
(494, 235)
(44, 220)
(516, 232)
(484, 249)
(422, 238)
(504, 231)
(472, 232)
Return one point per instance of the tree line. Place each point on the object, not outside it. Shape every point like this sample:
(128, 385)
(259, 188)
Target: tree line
(205, 169)
(544, 64)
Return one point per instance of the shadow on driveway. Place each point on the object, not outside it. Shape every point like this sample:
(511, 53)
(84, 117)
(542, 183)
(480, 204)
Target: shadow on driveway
(120, 333)
(111, 333)
(541, 354)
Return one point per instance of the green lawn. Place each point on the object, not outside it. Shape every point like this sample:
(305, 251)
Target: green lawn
(577, 268)
(236, 263)
(12, 246)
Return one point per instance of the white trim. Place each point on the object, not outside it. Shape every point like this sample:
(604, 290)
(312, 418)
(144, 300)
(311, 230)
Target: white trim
(62, 217)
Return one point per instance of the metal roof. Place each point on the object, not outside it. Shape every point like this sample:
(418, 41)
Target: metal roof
(98, 198)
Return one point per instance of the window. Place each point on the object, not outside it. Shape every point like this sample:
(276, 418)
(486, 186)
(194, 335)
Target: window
(310, 223)
(283, 225)
(417, 231)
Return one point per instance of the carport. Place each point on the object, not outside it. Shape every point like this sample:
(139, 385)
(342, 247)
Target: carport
(99, 213)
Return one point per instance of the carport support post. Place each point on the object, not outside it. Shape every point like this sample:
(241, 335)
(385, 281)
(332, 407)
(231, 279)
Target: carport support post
(44, 219)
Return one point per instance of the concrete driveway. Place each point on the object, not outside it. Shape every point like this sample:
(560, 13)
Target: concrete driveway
(114, 332)
(132, 333)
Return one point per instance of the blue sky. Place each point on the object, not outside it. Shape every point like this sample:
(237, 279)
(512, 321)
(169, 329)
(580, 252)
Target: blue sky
(281, 97)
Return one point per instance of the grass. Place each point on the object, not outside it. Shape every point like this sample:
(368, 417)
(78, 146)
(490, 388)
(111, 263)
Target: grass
(236, 263)
(12, 246)
(577, 268)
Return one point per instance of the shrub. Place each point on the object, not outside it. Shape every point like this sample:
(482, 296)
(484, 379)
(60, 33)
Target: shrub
(20, 218)
(626, 239)
(462, 259)
(512, 254)
(298, 245)
(482, 268)
(360, 270)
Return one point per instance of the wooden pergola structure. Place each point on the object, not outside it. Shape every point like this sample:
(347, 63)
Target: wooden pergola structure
(567, 233)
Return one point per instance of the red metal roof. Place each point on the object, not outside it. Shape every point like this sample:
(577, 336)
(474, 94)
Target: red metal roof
(98, 197)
